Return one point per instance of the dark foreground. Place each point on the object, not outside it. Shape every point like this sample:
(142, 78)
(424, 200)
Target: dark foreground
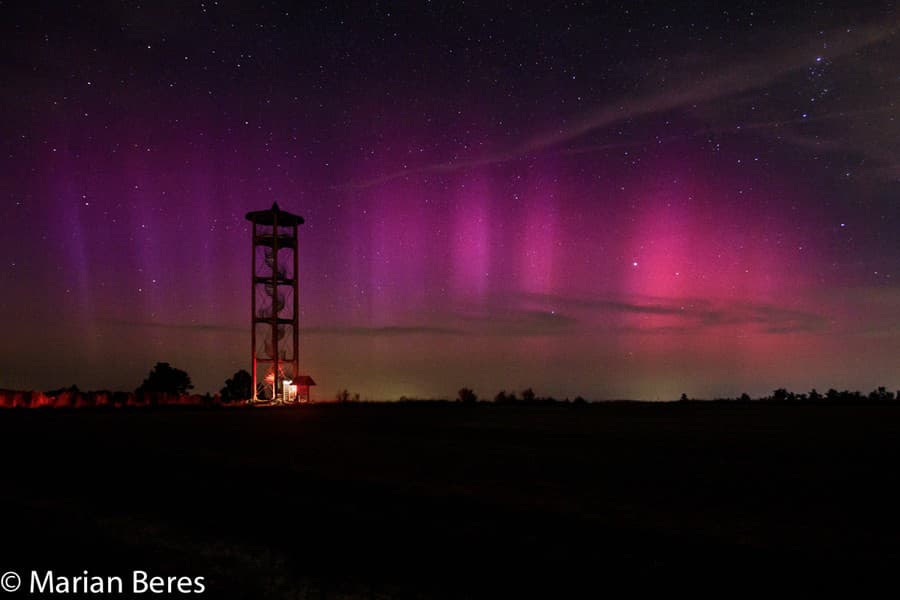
(381, 501)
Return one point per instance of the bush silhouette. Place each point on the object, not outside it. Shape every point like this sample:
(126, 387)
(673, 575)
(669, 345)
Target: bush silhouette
(343, 397)
(239, 387)
(165, 379)
(467, 395)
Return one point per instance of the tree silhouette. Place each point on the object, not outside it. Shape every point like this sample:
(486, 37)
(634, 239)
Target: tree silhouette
(467, 395)
(165, 379)
(528, 395)
(72, 388)
(881, 395)
(239, 387)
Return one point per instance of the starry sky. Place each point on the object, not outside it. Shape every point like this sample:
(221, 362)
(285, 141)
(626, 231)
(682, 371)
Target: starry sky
(618, 200)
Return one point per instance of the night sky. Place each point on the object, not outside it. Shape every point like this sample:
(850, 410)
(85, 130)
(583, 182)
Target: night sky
(624, 200)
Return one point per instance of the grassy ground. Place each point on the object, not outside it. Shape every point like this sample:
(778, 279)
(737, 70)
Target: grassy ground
(383, 501)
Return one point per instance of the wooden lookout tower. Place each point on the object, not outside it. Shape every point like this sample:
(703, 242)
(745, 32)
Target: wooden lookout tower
(274, 307)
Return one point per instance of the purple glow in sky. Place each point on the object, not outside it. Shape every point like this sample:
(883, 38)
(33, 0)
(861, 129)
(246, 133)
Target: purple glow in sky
(613, 203)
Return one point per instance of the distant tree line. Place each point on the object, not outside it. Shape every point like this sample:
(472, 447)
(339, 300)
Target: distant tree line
(166, 384)
(529, 397)
(832, 396)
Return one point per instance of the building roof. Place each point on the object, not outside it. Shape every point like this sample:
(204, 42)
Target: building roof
(268, 217)
(303, 380)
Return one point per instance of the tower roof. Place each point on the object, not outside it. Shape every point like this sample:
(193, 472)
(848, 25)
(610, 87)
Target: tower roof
(268, 217)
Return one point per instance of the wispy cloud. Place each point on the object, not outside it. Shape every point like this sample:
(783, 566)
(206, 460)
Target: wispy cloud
(542, 315)
(333, 330)
(689, 90)
(517, 322)
(735, 79)
(198, 327)
(385, 331)
(683, 314)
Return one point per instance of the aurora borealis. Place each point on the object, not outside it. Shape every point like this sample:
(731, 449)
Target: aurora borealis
(617, 201)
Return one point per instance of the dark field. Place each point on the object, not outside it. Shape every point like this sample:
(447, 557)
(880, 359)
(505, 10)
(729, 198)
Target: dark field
(382, 501)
